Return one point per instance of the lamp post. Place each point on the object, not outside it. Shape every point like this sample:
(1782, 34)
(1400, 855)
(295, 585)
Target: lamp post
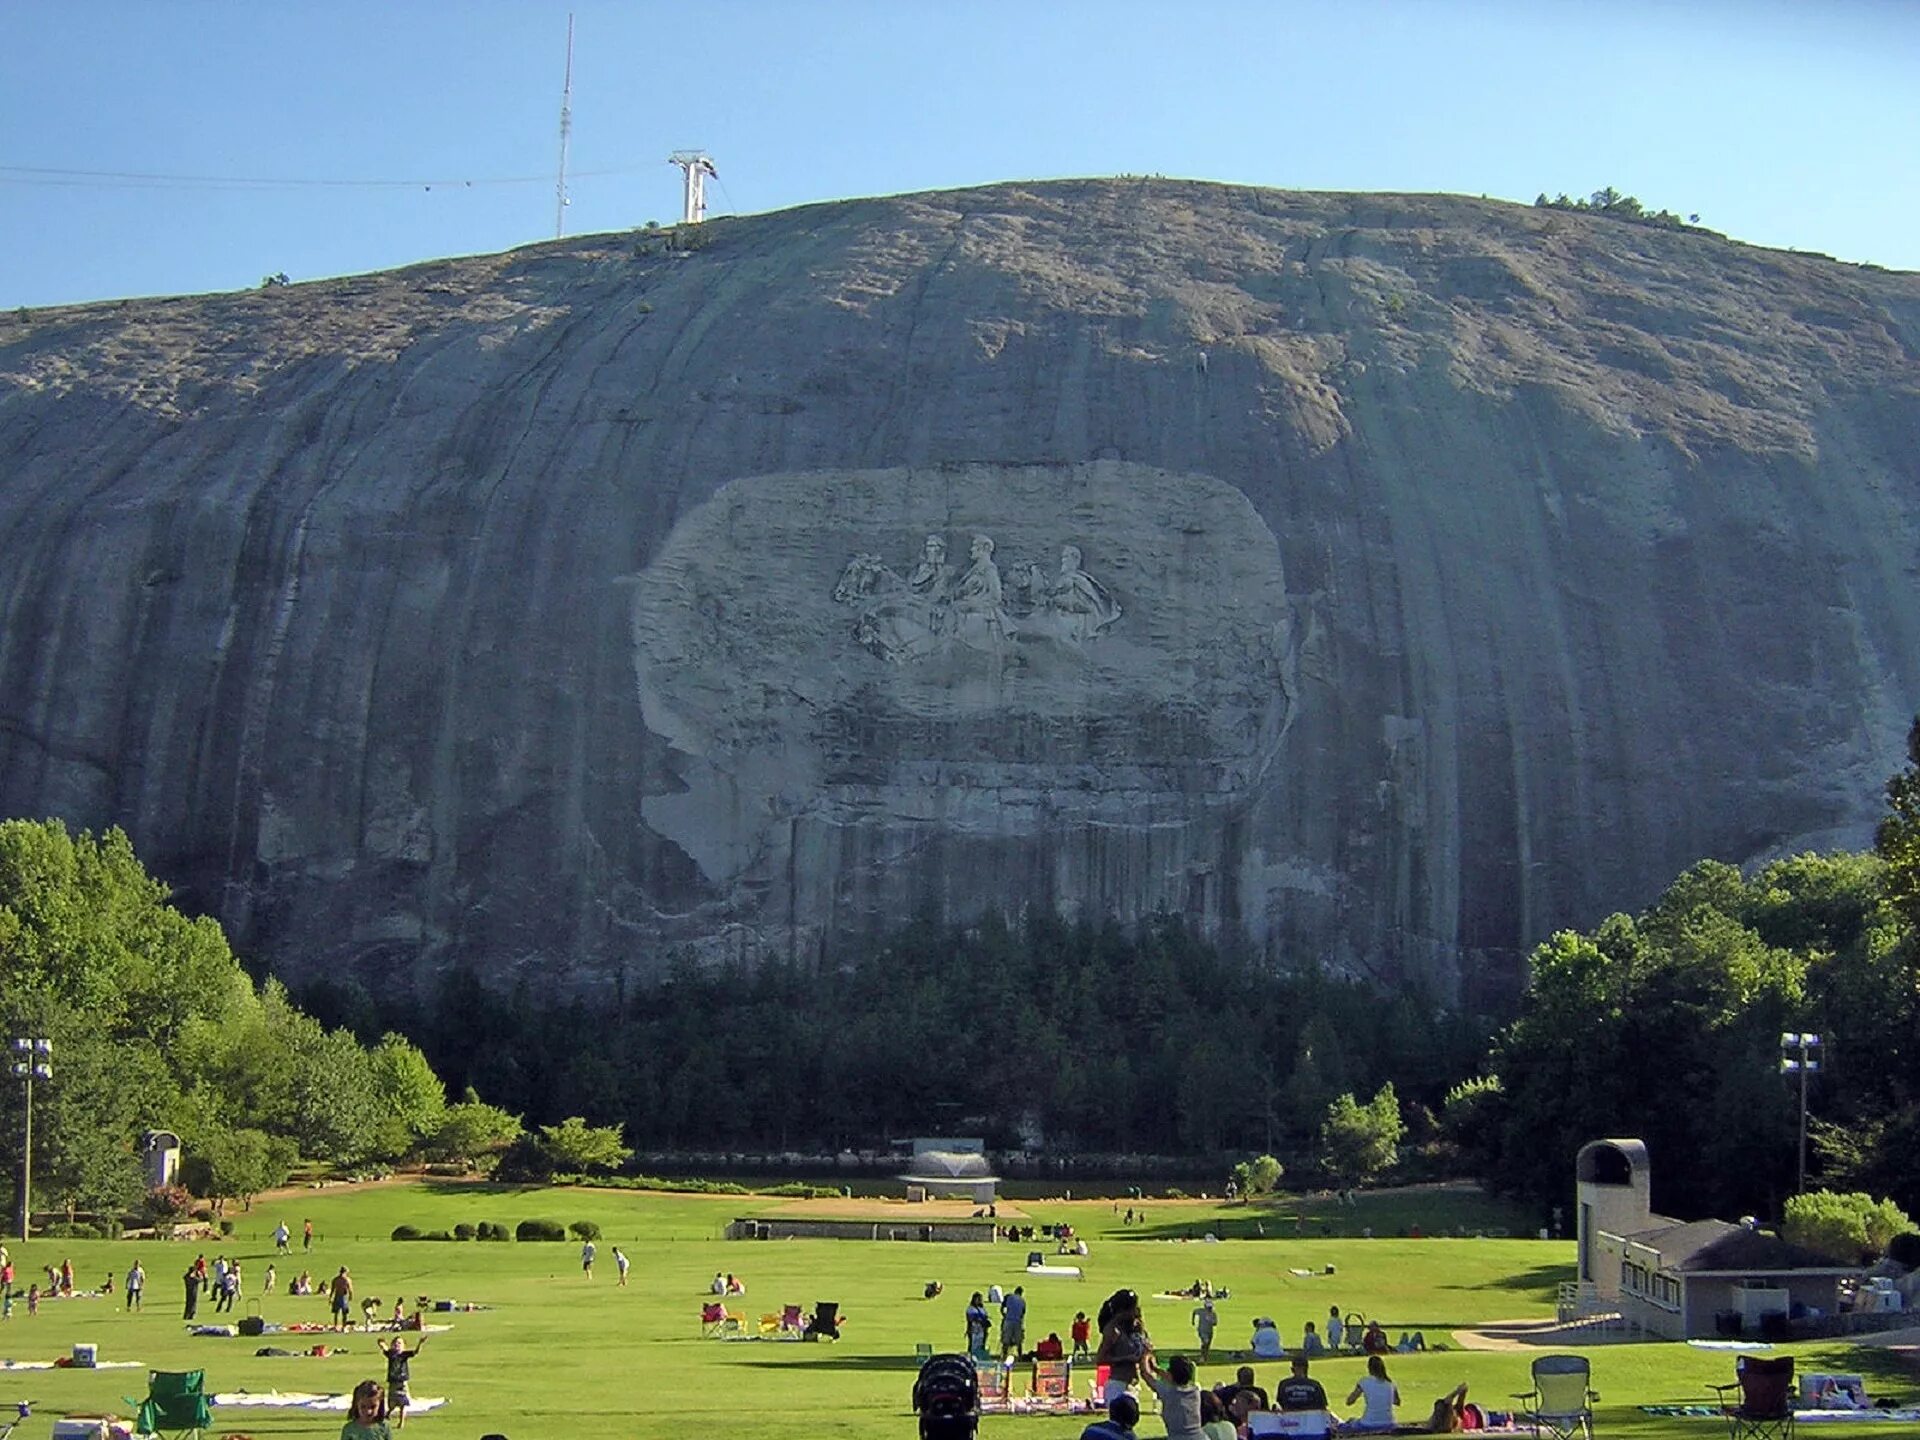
(1797, 1058)
(33, 1060)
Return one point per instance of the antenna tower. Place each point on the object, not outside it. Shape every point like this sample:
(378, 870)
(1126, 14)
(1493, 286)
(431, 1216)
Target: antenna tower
(697, 165)
(560, 201)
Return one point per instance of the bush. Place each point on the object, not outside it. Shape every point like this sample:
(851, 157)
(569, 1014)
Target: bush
(584, 1230)
(489, 1230)
(81, 1230)
(540, 1230)
(437, 1235)
(226, 1227)
(1849, 1228)
(404, 1232)
(464, 1231)
(165, 1204)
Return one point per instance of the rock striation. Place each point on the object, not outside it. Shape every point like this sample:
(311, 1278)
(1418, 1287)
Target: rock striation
(1386, 580)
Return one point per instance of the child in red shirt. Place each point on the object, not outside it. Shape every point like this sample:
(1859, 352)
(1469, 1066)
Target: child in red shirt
(1081, 1331)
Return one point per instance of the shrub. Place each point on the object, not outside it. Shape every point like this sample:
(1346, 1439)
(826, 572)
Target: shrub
(437, 1235)
(464, 1231)
(540, 1230)
(490, 1230)
(584, 1230)
(404, 1232)
(226, 1227)
(165, 1204)
(1848, 1228)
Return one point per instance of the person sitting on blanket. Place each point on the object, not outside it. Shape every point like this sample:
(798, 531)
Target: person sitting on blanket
(1050, 1348)
(1214, 1424)
(1449, 1413)
(1241, 1397)
(1310, 1341)
(1123, 1413)
(1267, 1344)
(1300, 1391)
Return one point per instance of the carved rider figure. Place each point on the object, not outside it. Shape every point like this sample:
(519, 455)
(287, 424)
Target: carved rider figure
(979, 614)
(1073, 605)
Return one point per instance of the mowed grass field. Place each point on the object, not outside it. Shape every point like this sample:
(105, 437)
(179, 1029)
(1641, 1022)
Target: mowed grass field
(560, 1356)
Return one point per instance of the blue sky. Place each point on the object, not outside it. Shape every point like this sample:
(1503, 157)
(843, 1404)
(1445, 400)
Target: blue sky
(413, 129)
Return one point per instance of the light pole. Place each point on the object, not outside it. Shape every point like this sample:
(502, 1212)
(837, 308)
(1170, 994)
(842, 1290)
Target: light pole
(1797, 1058)
(33, 1060)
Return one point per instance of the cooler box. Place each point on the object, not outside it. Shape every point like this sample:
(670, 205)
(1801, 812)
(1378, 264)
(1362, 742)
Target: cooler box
(86, 1356)
(81, 1427)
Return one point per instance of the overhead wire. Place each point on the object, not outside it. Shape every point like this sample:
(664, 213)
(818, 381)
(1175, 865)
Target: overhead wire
(145, 180)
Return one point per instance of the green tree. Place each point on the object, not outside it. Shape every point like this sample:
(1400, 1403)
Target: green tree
(238, 1164)
(1851, 1228)
(406, 1089)
(1258, 1176)
(1472, 1118)
(1360, 1142)
(1898, 838)
(573, 1145)
(471, 1130)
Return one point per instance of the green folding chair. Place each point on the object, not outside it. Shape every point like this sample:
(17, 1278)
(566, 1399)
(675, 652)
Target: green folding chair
(176, 1405)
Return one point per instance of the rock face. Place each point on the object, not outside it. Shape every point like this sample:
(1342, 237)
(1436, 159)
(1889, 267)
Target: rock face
(1385, 579)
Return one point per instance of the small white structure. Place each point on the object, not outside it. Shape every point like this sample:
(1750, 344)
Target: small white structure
(697, 166)
(160, 1153)
(951, 1168)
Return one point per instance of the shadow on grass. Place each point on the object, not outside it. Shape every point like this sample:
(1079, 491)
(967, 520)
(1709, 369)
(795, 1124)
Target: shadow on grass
(1540, 1277)
(831, 1357)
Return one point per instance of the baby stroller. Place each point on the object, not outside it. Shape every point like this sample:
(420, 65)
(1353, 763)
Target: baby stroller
(947, 1396)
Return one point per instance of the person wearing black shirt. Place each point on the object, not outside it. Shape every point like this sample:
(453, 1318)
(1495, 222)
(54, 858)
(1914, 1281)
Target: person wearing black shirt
(1300, 1391)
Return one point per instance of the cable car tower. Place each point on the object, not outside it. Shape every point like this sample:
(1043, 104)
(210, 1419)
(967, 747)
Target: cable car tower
(697, 165)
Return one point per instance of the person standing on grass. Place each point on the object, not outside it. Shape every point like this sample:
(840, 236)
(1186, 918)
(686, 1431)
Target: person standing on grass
(399, 1374)
(306, 1234)
(136, 1282)
(1205, 1321)
(282, 1239)
(340, 1297)
(621, 1263)
(586, 1268)
(1013, 1322)
(192, 1281)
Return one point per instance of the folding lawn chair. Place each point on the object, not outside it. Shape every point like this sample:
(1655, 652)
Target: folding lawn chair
(1765, 1387)
(824, 1323)
(990, 1378)
(1297, 1424)
(793, 1322)
(923, 1352)
(1052, 1385)
(716, 1323)
(1560, 1405)
(769, 1325)
(176, 1405)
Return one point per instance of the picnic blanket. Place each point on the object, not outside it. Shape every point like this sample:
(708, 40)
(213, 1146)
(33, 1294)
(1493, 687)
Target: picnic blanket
(1071, 1270)
(1801, 1417)
(302, 1400)
(1731, 1344)
(65, 1362)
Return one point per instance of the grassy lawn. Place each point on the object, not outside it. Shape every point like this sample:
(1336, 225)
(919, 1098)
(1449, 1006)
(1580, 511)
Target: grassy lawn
(559, 1356)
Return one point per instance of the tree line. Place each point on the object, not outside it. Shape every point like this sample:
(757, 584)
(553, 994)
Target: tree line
(1085, 1036)
(1668, 1026)
(155, 1025)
